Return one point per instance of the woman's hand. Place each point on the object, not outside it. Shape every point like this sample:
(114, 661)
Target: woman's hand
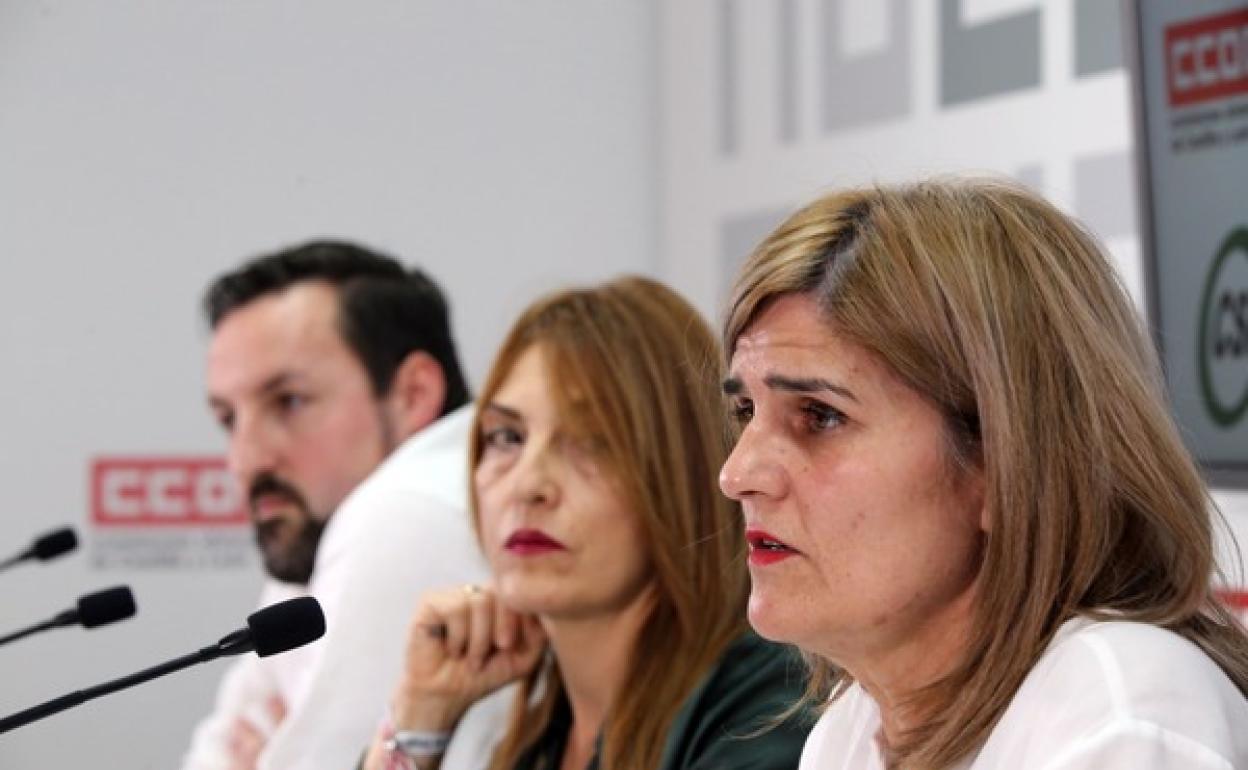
(463, 644)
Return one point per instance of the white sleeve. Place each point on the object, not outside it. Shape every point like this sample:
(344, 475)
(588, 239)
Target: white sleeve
(245, 691)
(403, 546)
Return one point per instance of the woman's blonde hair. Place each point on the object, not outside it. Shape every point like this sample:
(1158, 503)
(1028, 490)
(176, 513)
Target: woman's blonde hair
(636, 365)
(1008, 317)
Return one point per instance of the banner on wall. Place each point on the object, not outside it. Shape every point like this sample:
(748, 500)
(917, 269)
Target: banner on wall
(167, 512)
(1190, 67)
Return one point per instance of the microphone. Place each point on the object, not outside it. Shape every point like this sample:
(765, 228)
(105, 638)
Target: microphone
(272, 630)
(46, 546)
(92, 610)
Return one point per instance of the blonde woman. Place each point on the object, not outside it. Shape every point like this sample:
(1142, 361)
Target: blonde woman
(964, 497)
(619, 584)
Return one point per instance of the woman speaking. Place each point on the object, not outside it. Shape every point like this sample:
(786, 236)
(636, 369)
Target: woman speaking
(964, 497)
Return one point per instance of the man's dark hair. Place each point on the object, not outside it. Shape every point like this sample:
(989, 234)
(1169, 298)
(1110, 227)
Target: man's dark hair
(385, 312)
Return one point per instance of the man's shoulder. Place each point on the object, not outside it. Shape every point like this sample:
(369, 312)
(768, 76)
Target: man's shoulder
(433, 460)
(430, 464)
(423, 483)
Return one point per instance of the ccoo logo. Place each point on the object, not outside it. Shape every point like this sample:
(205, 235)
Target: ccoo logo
(1223, 344)
(163, 492)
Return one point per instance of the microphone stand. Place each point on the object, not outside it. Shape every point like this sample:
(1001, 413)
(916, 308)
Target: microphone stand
(14, 560)
(237, 642)
(44, 626)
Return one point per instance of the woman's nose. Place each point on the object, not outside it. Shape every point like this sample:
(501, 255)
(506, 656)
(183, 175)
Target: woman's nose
(754, 467)
(536, 484)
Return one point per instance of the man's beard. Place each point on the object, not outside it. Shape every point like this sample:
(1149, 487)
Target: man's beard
(288, 557)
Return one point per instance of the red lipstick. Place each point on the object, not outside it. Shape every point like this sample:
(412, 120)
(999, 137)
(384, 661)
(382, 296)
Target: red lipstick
(531, 542)
(766, 548)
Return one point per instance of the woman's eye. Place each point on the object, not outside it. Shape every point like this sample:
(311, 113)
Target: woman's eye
(741, 411)
(502, 437)
(820, 417)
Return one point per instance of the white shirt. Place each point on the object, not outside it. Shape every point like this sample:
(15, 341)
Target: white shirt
(403, 531)
(1104, 696)
(244, 692)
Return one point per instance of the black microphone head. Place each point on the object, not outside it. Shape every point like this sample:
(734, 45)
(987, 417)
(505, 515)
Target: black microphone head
(286, 625)
(54, 544)
(107, 606)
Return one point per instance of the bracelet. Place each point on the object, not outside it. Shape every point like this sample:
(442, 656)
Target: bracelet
(417, 744)
(402, 746)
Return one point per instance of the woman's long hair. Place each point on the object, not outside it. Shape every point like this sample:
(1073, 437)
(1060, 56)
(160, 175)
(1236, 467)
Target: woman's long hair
(1009, 318)
(636, 364)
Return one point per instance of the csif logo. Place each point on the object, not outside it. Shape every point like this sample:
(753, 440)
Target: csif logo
(1223, 337)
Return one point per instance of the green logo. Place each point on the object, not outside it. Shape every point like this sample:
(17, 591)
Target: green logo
(1223, 348)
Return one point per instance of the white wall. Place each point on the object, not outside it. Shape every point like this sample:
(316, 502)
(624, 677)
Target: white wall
(146, 146)
(768, 103)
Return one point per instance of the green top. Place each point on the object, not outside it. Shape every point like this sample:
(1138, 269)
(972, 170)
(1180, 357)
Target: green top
(753, 683)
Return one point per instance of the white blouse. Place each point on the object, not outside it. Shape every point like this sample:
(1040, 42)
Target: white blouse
(1104, 696)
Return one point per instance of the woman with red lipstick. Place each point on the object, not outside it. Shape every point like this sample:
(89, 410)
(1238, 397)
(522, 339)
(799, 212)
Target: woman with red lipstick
(965, 499)
(618, 599)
